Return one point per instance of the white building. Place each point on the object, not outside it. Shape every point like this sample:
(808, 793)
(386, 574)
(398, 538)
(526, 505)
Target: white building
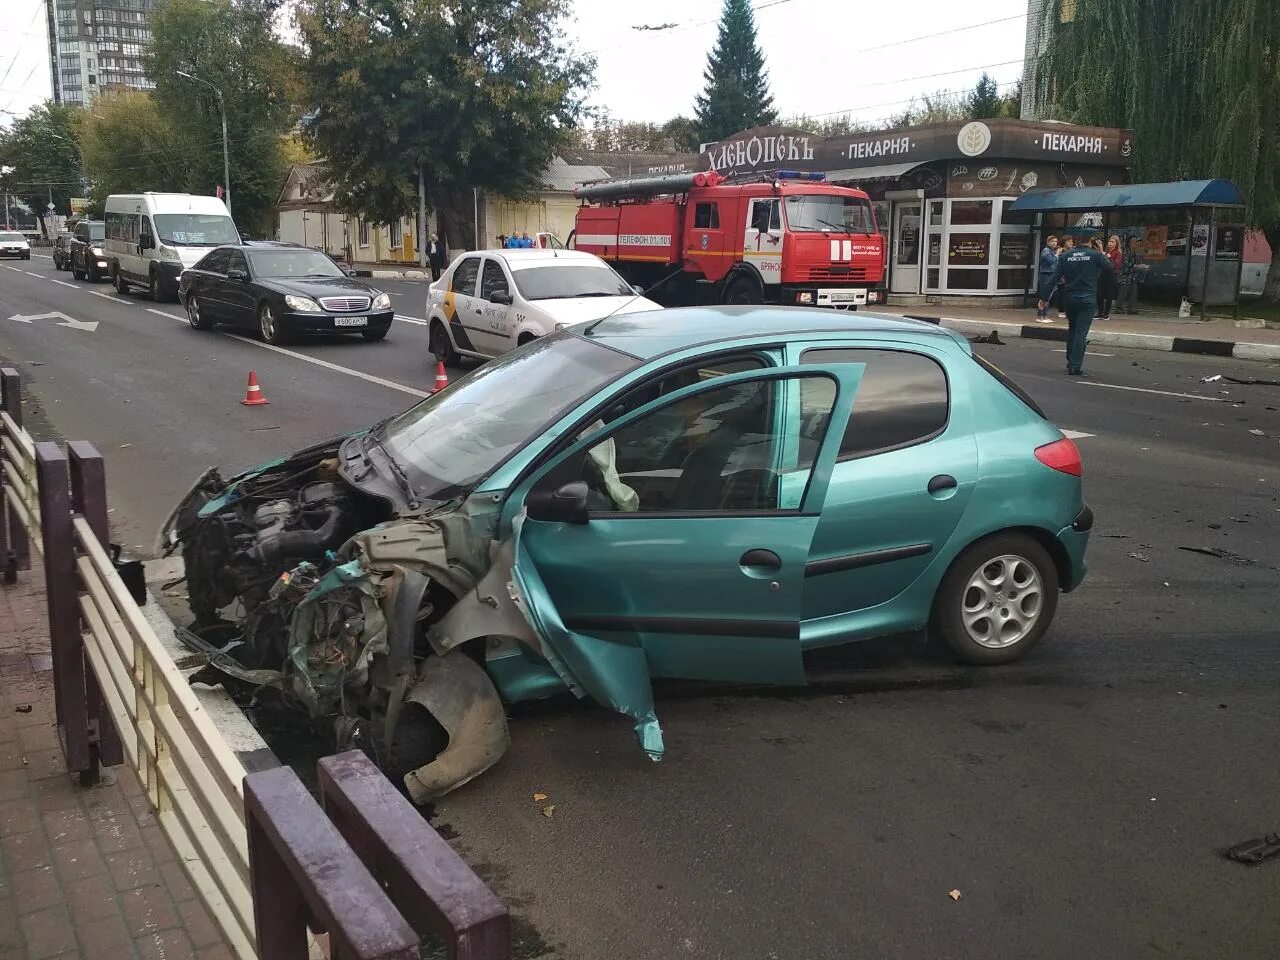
(97, 45)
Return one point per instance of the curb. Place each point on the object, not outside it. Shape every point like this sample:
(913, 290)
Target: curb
(1139, 341)
(240, 735)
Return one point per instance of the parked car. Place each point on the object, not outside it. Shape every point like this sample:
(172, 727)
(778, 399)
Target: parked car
(62, 251)
(283, 292)
(152, 237)
(700, 492)
(492, 301)
(88, 258)
(14, 244)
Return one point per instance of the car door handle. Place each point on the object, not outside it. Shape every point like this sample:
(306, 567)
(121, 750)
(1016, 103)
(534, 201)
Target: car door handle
(943, 481)
(761, 558)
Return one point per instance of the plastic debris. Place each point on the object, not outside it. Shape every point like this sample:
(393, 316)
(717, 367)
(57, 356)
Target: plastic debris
(539, 797)
(1216, 377)
(1140, 556)
(1257, 433)
(24, 708)
(548, 810)
(954, 894)
(1255, 851)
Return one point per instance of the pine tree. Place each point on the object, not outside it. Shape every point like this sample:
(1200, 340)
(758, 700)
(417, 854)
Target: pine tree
(737, 86)
(984, 102)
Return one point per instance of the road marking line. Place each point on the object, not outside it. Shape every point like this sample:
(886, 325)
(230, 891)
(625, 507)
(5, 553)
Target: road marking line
(105, 297)
(390, 384)
(415, 320)
(63, 283)
(1092, 353)
(14, 269)
(1076, 434)
(43, 256)
(30, 274)
(1163, 393)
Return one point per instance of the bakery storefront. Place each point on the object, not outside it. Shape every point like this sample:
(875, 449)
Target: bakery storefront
(942, 192)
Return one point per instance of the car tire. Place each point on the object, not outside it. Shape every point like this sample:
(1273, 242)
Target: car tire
(441, 347)
(194, 317)
(269, 326)
(76, 272)
(375, 335)
(526, 338)
(157, 288)
(121, 284)
(743, 291)
(996, 600)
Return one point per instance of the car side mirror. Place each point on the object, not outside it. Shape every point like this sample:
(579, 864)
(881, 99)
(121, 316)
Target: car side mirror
(567, 504)
(501, 295)
(235, 273)
(349, 272)
(637, 290)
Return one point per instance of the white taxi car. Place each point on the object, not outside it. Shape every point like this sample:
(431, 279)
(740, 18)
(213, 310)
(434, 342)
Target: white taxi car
(14, 244)
(492, 301)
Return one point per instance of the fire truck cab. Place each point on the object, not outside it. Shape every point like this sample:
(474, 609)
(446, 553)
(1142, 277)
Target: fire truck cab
(784, 237)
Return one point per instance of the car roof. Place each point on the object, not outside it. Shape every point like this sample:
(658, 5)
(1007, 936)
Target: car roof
(652, 333)
(518, 256)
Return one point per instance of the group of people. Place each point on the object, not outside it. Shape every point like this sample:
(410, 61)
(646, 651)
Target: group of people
(1083, 283)
(521, 241)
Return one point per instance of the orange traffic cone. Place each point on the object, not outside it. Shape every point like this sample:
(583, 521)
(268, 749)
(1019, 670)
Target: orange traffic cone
(442, 378)
(253, 395)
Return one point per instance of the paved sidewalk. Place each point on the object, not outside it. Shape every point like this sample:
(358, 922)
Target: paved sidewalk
(1152, 331)
(85, 874)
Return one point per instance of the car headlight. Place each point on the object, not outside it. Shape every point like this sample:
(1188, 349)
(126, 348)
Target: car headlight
(167, 254)
(382, 301)
(97, 251)
(302, 304)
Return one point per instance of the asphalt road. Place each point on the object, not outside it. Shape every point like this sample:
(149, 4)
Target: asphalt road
(1077, 800)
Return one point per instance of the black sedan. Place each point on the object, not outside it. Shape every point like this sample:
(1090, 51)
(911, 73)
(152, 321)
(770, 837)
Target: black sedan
(282, 292)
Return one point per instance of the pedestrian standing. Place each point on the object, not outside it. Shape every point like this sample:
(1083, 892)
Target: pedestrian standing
(1131, 267)
(525, 241)
(1107, 287)
(1080, 272)
(435, 256)
(1068, 244)
(1044, 270)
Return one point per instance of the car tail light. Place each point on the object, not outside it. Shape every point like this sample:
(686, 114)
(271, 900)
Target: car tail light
(1061, 455)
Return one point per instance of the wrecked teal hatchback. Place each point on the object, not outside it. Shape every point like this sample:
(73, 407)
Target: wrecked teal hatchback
(696, 493)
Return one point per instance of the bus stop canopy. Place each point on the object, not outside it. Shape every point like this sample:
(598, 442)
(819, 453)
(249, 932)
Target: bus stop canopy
(1137, 196)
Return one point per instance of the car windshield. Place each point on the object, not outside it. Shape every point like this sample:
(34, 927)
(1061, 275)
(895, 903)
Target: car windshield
(814, 213)
(454, 439)
(196, 229)
(97, 231)
(11, 237)
(293, 263)
(557, 281)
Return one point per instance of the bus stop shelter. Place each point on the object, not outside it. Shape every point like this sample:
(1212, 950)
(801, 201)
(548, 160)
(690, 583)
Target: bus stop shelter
(1190, 233)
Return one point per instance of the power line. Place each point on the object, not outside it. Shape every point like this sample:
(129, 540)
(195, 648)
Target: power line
(666, 30)
(941, 33)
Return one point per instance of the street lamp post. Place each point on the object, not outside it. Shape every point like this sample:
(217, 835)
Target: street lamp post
(222, 111)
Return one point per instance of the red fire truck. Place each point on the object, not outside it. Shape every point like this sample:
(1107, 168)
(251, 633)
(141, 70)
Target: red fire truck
(783, 237)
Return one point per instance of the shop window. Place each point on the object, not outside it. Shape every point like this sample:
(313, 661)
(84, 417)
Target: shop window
(931, 279)
(935, 250)
(1015, 249)
(966, 279)
(935, 213)
(969, 250)
(1013, 278)
(970, 212)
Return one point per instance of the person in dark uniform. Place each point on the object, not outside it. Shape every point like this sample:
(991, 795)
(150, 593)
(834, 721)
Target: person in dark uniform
(1081, 270)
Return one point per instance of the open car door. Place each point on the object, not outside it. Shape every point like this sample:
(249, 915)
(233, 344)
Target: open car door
(672, 542)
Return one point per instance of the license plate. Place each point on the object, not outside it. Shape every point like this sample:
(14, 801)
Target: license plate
(350, 321)
(843, 297)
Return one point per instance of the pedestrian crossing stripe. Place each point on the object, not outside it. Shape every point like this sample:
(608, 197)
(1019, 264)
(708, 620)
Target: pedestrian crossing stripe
(1076, 434)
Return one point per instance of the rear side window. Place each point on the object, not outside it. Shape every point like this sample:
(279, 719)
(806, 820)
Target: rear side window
(706, 216)
(901, 401)
(1008, 384)
(464, 277)
(215, 262)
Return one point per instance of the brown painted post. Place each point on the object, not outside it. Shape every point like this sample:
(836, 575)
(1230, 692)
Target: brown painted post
(425, 877)
(62, 596)
(17, 554)
(301, 868)
(89, 499)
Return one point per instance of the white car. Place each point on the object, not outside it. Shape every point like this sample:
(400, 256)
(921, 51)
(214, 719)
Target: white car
(492, 301)
(14, 244)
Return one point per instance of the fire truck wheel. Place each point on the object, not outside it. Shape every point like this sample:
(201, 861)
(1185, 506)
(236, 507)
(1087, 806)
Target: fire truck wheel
(743, 290)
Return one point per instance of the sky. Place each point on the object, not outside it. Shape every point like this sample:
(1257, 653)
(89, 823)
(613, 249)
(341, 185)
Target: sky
(824, 56)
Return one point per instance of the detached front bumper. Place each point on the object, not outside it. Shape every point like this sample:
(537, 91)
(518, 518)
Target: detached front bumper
(328, 324)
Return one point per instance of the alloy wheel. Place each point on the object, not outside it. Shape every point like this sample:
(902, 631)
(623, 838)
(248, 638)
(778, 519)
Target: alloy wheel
(1002, 601)
(267, 323)
(193, 312)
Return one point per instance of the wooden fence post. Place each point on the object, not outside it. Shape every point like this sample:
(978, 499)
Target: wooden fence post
(426, 879)
(62, 597)
(301, 868)
(89, 499)
(15, 549)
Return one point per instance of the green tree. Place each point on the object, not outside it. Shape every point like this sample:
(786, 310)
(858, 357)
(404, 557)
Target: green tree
(42, 154)
(984, 102)
(682, 132)
(231, 45)
(1199, 84)
(737, 86)
(840, 125)
(476, 94)
(939, 107)
(130, 145)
